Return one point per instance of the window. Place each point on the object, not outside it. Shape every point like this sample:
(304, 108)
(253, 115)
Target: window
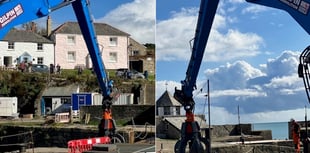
(11, 45)
(71, 39)
(135, 52)
(178, 111)
(167, 111)
(40, 60)
(66, 100)
(113, 57)
(71, 56)
(40, 46)
(113, 41)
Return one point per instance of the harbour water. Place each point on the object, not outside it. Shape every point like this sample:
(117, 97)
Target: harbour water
(279, 129)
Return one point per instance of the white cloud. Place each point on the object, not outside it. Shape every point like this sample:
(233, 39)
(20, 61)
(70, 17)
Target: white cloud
(136, 18)
(284, 82)
(240, 83)
(162, 86)
(227, 117)
(285, 64)
(174, 34)
(256, 90)
(233, 75)
(238, 93)
(254, 9)
(236, 1)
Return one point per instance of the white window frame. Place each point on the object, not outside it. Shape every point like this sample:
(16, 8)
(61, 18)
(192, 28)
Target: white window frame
(74, 56)
(11, 45)
(113, 41)
(40, 60)
(40, 46)
(71, 39)
(113, 57)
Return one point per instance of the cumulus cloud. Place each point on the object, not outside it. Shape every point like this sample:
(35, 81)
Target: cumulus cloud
(232, 76)
(258, 91)
(254, 9)
(136, 18)
(285, 64)
(173, 35)
(276, 85)
(227, 117)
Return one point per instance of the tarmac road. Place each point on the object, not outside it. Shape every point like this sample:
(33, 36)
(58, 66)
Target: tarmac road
(123, 148)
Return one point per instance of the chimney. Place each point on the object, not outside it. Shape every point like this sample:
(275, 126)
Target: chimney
(33, 27)
(48, 26)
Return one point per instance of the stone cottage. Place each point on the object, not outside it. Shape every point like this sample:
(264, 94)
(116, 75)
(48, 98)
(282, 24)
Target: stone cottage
(20, 45)
(71, 50)
(169, 119)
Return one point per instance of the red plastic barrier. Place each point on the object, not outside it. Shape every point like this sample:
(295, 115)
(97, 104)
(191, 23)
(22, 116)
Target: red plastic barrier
(78, 146)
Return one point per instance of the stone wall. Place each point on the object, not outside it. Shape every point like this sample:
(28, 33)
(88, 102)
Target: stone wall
(45, 136)
(124, 113)
(150, 94)
(259, 148)
(229, 130)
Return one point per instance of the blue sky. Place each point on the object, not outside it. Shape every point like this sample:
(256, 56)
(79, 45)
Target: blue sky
(251, 60)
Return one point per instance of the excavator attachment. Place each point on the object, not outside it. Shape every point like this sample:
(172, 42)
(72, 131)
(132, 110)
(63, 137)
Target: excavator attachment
(303, 69)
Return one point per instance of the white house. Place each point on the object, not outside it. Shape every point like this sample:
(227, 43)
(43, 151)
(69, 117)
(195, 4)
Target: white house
(20, 45)
(71, 50)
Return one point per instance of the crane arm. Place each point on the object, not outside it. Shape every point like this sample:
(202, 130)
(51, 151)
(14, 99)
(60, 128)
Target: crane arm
(15, 12)
(83, 16)
(205, 19)
(298, 9)
(190, 130)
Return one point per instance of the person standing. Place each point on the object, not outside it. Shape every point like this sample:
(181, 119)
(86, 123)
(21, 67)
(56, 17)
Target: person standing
(52, 67)
(58, 68)
(22, 66)
(295, 127)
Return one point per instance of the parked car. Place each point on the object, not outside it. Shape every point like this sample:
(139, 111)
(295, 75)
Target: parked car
(136, 75)
(40, 68)
(122, 73)
(129, 74)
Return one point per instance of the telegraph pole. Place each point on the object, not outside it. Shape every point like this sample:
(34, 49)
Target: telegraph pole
(209, 144)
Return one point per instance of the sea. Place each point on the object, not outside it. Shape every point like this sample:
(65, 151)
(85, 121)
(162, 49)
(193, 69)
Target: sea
(279, 129)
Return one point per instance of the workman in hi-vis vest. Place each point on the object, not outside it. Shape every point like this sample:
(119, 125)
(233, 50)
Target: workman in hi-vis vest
(295, 127)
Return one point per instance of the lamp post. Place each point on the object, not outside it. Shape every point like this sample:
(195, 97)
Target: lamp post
(129, 54)
(209, 118)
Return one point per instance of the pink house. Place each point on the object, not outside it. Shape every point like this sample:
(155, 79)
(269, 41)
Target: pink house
(71, 50)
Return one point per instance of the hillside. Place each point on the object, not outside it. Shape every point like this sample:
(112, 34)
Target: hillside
(28, 87)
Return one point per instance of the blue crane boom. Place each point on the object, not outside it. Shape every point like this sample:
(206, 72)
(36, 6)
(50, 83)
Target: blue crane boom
(15, 12)
(298, 9)
(190, 128)
(205, 19)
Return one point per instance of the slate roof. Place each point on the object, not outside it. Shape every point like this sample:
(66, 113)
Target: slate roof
(60, 91)
(16, 35)
(166, 100)
(101, 29)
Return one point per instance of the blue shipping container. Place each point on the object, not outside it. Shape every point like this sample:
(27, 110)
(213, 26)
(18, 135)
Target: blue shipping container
(81, 99)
